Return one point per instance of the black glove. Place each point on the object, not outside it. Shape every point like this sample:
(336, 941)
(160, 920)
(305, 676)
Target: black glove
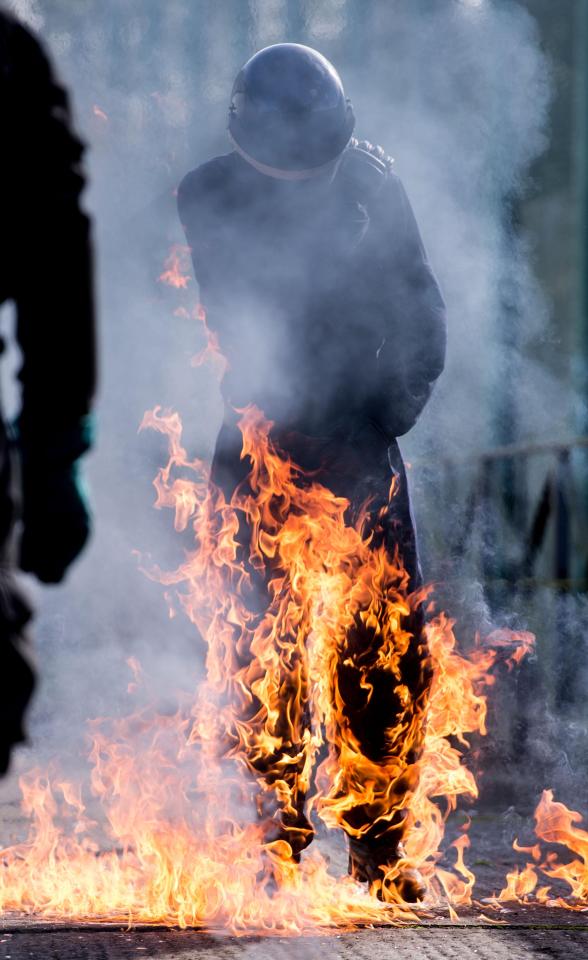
(56, 521)
(56, 517)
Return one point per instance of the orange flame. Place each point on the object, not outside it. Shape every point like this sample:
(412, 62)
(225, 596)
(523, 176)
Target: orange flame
(554, 823)
(99, 112)
(211, 353)
(187, 800)
(176, 265)
(136, 670)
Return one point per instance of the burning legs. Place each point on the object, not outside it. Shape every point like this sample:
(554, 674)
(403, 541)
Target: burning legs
(328, 651)
(384, 711)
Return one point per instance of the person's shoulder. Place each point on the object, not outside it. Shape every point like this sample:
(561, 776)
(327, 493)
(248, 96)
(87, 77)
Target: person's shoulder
(374, 152)
(19, 42)
(10, 27)
(392, 182)
(20, 49)
(206, 181)
(367, 171)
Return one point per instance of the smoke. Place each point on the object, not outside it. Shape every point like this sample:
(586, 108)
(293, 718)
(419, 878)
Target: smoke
(28, 11)
(464, 130)
(458, 92)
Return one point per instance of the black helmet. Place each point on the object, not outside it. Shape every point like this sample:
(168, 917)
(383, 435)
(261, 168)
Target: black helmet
(288, 114)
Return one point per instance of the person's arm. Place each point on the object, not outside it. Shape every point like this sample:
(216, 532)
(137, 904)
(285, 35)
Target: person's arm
(199, 195)
(204, 199)
(51, 266)
(188, 207)
(412, 354)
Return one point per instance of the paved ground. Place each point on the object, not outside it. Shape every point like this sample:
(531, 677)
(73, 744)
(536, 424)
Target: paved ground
(455, 943)
(530, 932)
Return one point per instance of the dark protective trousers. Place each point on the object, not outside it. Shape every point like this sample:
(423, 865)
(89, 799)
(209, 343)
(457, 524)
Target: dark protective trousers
(358, 470)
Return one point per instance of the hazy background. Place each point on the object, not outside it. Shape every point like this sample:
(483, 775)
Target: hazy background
(482, 104)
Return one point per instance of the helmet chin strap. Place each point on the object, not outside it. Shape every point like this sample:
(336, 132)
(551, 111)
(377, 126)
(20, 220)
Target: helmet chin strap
(279, 174)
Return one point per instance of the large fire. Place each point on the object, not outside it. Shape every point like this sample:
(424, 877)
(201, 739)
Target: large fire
(189, 802)
(180, 794)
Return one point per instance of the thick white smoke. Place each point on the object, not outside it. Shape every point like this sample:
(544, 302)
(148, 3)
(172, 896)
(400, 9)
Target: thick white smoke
(456, 91)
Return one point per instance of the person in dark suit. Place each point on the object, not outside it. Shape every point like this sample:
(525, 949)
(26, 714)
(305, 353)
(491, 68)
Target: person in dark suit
(314, 277)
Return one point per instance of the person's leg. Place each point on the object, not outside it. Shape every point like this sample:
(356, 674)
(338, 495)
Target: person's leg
(269, 687)
(16, 671)
(389, 729)
(277, 752)
(18, 678)
(381, 690)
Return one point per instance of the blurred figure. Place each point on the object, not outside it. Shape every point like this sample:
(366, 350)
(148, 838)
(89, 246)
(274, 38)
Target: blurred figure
(313, 274)
(46, 269)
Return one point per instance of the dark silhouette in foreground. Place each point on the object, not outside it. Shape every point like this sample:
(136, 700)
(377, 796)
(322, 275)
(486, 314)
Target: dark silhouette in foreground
(314, 277)
(46, 270)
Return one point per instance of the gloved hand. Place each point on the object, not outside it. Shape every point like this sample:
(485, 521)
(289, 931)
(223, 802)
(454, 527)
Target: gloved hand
(56, 519)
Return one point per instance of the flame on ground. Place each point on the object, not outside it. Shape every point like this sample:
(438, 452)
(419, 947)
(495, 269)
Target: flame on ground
(187, 833)
(554, 824)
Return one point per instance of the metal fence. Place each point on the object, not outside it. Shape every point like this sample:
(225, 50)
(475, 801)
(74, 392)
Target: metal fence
(508, 530)
(520, 514)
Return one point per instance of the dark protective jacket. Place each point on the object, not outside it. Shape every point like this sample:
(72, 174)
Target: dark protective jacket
(332, 322)
(321, 294)
(45, 254)
(329, 315)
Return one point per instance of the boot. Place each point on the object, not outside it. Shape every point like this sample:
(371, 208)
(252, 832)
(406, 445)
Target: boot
(370, 861)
